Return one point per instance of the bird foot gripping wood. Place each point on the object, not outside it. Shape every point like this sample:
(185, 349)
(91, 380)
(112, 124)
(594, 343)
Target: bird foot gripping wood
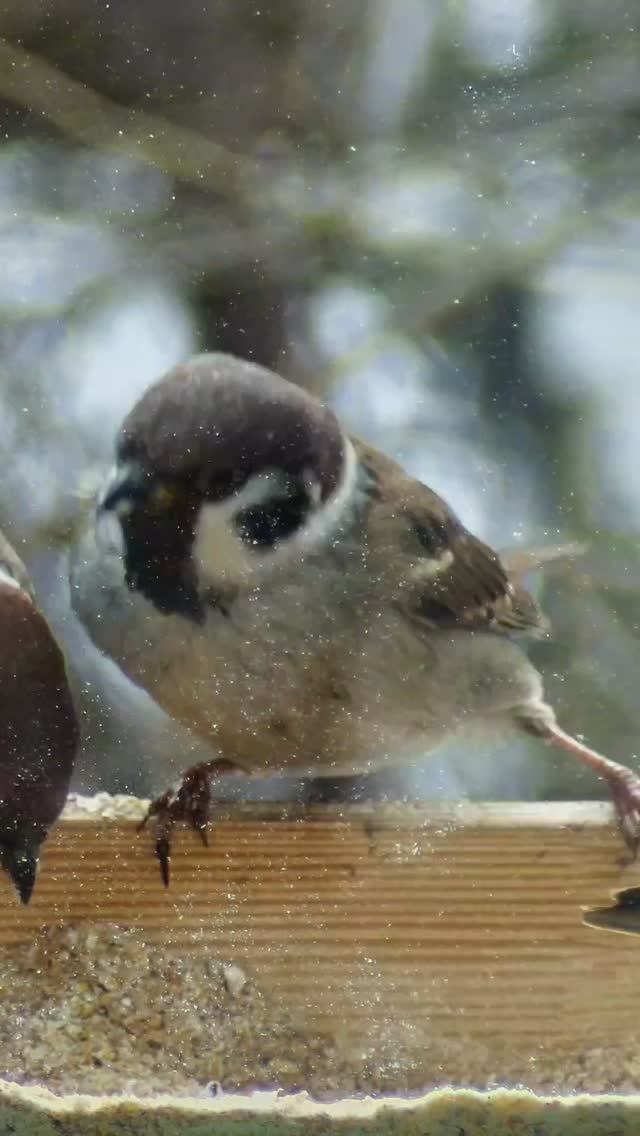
(189, 800)
(624, 785)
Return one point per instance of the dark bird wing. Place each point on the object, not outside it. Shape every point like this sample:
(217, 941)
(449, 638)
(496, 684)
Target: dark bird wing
(38, 727)
(442, 575)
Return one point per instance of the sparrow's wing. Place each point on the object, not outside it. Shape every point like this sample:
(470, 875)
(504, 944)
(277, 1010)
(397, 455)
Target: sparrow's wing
(442, 575)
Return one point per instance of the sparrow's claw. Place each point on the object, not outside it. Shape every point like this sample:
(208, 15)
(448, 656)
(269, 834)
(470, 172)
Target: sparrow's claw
(625, 793)
(163, 853)
(156, 808)
(624, 784)
(189, 801)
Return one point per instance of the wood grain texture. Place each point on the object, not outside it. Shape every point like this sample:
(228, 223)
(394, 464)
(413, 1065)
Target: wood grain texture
(464, 920)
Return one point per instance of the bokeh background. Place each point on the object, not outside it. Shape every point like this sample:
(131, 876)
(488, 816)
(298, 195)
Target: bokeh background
(426, 212)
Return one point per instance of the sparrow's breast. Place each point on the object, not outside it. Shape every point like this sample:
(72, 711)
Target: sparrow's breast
(292, 677)
(315, 674)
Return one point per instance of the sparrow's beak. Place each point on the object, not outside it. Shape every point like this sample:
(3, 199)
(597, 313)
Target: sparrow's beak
(126, 485)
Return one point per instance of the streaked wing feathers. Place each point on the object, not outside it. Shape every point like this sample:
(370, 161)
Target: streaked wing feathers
(443, 576)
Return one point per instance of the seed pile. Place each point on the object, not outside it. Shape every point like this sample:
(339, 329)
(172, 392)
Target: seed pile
(95, 1009)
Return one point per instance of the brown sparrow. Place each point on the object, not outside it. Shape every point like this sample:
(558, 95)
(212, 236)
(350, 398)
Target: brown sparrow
(297, 600)
(38, 726)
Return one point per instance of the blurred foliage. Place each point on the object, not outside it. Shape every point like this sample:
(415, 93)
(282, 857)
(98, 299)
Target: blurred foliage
(427, 212)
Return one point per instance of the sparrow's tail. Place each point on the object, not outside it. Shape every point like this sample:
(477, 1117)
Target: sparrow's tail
(19, 858)
(523, 612)
(520, 562)
(623, 915)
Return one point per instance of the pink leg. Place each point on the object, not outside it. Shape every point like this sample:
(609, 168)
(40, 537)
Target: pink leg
(624, 784)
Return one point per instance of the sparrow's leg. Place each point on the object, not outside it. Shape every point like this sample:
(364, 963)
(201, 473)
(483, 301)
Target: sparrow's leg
(624, 784)
(188, 800)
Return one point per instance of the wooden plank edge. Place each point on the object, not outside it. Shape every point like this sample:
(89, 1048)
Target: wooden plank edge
(24, 1111)
(121, 808)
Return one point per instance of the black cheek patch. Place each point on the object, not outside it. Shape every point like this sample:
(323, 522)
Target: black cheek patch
(262, 526)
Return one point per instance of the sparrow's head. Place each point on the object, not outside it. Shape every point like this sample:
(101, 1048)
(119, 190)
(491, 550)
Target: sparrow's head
(224, 471)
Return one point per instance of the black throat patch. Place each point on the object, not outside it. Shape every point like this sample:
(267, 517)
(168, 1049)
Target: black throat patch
(158, 560)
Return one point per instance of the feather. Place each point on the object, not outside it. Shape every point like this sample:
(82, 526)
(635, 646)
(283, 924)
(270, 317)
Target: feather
(442, 575)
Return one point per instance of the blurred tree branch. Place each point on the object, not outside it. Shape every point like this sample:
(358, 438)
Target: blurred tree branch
(94, 120)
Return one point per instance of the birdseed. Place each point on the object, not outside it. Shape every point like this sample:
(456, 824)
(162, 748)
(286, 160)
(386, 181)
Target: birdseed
(95, 1009)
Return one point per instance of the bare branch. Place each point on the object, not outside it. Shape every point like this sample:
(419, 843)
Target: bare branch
(94, 120)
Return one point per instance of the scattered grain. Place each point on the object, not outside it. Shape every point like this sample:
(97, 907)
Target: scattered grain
(95, 1009)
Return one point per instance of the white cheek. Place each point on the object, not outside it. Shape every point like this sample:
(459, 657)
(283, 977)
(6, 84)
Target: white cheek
(218, 551)
(106, 484)
(7, 578)
(109, 534)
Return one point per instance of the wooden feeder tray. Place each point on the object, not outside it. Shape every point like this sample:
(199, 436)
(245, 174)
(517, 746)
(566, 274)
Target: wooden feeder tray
(455, 929)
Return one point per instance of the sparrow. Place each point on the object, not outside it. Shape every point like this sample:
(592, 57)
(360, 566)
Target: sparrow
(39, 730)
(297, 600)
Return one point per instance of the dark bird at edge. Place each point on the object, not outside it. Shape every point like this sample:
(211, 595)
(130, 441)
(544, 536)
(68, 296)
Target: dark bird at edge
(623, 915)
(38, 726)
